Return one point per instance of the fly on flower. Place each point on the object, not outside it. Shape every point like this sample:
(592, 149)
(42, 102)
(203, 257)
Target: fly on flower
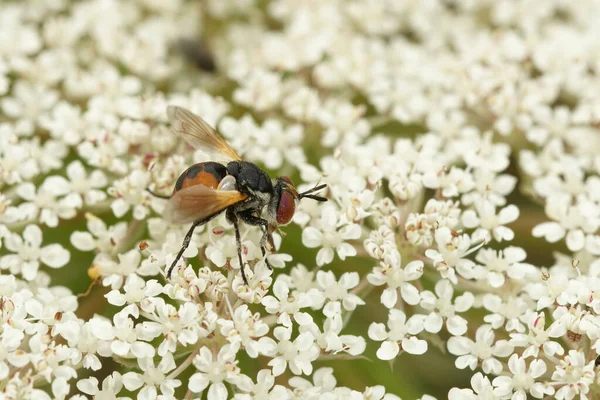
(240, 188)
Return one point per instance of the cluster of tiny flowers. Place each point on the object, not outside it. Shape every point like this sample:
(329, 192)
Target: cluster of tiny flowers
(420, 116)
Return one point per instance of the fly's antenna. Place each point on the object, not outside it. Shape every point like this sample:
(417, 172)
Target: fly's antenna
(309, 193)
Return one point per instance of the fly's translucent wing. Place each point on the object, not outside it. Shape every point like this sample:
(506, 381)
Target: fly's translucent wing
(200, 135)
(198, 202)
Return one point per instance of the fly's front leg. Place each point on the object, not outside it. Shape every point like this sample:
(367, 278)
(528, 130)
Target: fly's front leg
(250, 219)
(238, 242)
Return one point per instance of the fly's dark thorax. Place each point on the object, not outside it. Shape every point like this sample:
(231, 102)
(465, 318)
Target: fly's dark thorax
(250, 178)
(208, 174)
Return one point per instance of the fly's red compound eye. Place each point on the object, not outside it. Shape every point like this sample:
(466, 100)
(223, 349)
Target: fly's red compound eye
(287, 179)
(286, 208)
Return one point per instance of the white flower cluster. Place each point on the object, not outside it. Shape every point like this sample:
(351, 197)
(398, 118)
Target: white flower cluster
(420, 116)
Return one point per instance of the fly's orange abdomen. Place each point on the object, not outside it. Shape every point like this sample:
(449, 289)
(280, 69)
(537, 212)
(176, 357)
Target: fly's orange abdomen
(208, 174)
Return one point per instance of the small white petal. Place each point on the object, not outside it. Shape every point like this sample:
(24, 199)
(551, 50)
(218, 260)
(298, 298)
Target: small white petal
(324, 256)
(459, 345)
(88, 386)
(132, 381)
(433, 323)
(83, 241)
(217, 391)
(410, 294)
(198, 382)
(575, 240)
(120, 348)
(147, 393)
(508, 214)
(377, 331)
(389, 297)
(414, 346)
(312, 237)
(388, 350)
(54, 256)
(456, 325)
(551, 231)
(33, 235)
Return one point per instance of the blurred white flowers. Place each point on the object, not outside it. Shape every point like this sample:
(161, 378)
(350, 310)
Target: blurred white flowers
(420, 116)
(28, 253)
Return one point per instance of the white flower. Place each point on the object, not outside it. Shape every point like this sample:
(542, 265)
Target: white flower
(111, 386)
(30, 253)
(330, 339)
(10, 342)
(298, 354)
(248, 330)
(323, 383)
(126, 343)
(573, 321)
(152, 378)
(131, 192)
(523, 380)
(28, 102)
(452, 248)
(510, 311)
(113, 272)
(482, 389)
(42, 203)
(341, 119)
(483, 350)
(330, 236)
(277, 145)
(538, 338)
(442, 213)
(401, 335)
(107, 151)
(489, 224)
(302, 104)
(263, 389)
(391, 273)
(557, 288)
(287, 305)
(86, 186)
(136, 290)
(572, 221)
(98, 235)
(261, 90)
(405, 185)
(336, 292)
(502, 263)
(177, 325)
(450, 184)
(380, 242)
(442, 308)
(214, 371)
(88, 340)
(491, 187)
(574, 374)
(66, 122)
